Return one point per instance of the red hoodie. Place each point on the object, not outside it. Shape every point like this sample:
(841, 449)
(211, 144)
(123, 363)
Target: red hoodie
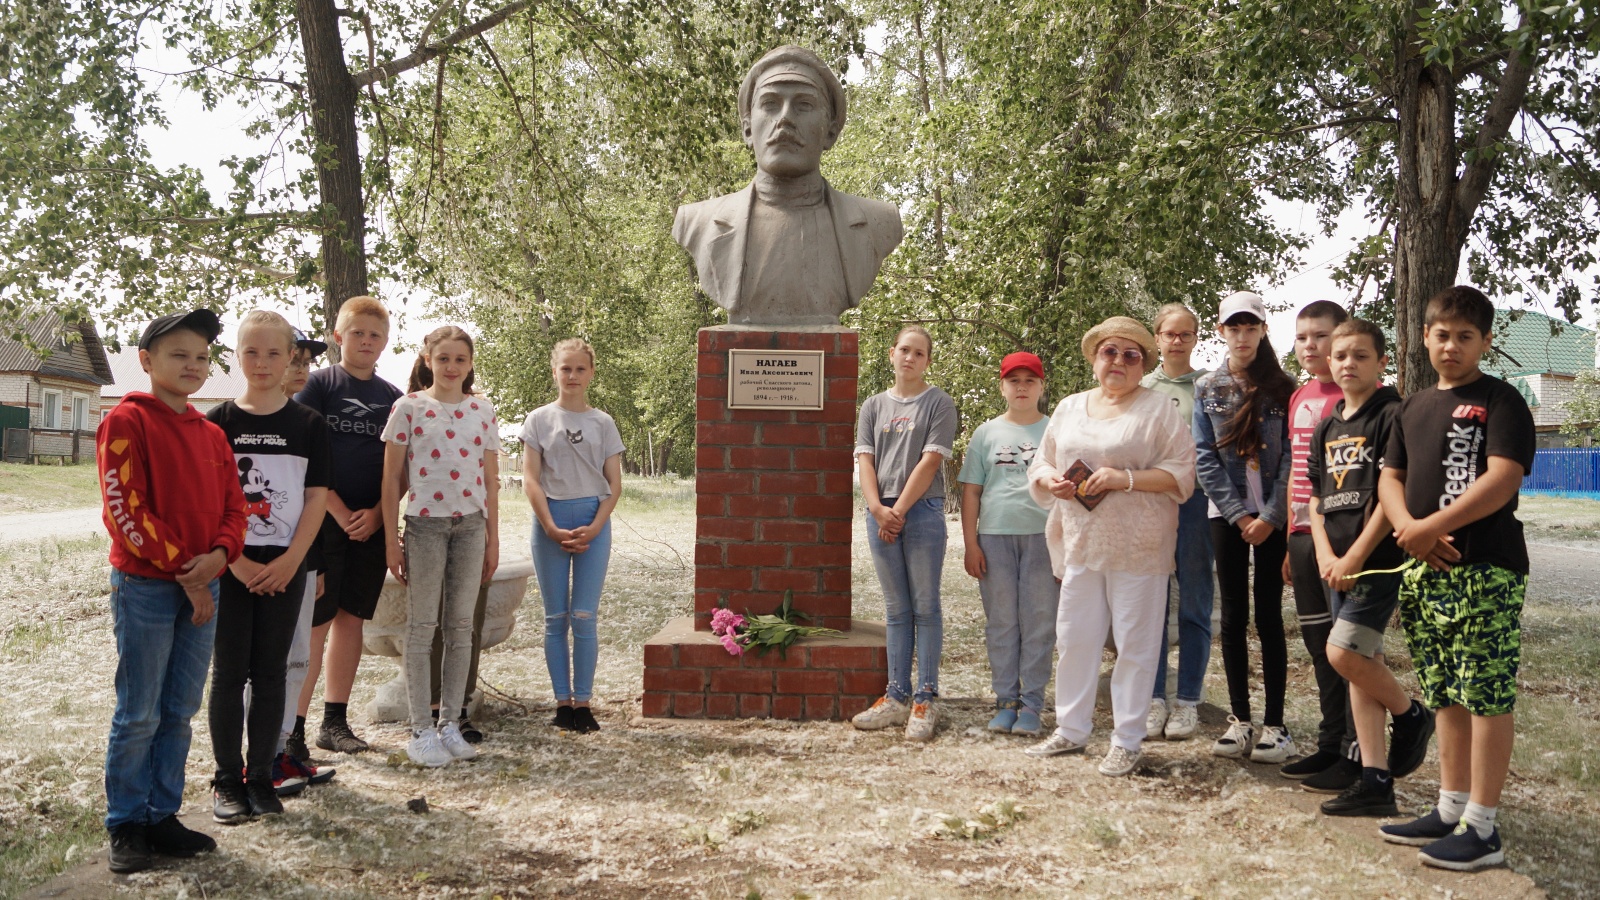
(169, 487)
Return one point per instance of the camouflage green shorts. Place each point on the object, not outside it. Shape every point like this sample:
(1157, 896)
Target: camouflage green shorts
(1464, 628)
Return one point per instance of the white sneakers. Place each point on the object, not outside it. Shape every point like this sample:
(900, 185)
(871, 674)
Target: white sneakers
(1182, 723)
(1156, 722)
(1119, 762)
(425, 749)
(1274, 747)
(887, 712)
(1056, 744)
(1236, 741)
(924, 716)
(450, 738)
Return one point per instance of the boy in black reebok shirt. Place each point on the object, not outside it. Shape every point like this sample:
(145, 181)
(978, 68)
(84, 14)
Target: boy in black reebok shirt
(1352, 536)
(1456, 459)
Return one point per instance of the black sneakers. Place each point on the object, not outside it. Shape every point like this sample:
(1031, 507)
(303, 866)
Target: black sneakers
(1310, 765)
(563, 718)
(469, 731)
(263, 797)
(1418, 832)
(295, 745)
(1464, 851)
(1408, 740)
(1335, 779)
(230, 805)
(338, 737)
(583, 721)
(1364, 798)
(169, 837)
(130, 848)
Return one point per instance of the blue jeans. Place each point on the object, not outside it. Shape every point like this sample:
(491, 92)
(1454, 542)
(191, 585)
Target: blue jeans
(1020, 596)
(571, 585)
(162, 658)
(1195, 598)
(909, 570)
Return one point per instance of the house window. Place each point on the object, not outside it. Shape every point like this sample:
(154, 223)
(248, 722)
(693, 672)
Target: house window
(52, 410)
(80, 413)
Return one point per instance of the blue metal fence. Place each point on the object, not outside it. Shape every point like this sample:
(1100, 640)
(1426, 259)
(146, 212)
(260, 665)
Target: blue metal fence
(1565, 472)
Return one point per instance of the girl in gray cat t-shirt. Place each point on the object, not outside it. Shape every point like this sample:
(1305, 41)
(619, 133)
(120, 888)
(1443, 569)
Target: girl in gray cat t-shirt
(572, 476)
(903, 437)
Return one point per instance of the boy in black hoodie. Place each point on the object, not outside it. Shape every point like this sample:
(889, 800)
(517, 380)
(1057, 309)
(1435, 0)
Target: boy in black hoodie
(1352, 536)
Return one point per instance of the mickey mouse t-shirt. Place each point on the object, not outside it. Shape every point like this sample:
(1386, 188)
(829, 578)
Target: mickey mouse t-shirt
(998, 457)
(277, 456)
(445, 447)
(573, 447)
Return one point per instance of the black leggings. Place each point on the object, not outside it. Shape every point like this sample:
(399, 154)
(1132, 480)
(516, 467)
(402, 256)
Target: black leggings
(1233, 583)
(254, 632)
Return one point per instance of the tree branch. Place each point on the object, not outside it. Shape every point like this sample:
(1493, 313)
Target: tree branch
(1503, 109)
(246, 265)
(423, 54)
(427, 30)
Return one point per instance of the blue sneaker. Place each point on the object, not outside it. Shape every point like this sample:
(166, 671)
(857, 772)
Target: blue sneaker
(1418, 832)
(1027, 722)
(1004, 717)
(1464, 851)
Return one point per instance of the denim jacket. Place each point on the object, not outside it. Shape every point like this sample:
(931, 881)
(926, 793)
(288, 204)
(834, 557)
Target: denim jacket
(1220, 470)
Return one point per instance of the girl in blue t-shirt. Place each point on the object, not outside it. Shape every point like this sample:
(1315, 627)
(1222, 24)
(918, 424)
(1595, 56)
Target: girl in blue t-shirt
(903, 437)
(1006, 549)
(572, 476)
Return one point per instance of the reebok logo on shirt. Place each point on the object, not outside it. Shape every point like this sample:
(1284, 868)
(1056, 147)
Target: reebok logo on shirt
(1461, 462)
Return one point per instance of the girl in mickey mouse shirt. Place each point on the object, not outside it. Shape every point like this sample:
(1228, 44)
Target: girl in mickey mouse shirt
(442, 450)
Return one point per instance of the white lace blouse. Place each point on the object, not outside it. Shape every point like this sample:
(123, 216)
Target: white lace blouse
(1128, 532)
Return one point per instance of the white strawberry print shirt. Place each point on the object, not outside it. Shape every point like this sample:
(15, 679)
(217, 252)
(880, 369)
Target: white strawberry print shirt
(445, 447)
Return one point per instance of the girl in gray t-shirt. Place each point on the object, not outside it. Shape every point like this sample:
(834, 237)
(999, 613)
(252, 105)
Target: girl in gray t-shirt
(572, 475)
(903, 437)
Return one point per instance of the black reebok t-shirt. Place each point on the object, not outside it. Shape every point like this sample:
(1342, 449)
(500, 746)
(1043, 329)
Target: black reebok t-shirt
(356, 412)
(1443, 439)
(277, 457)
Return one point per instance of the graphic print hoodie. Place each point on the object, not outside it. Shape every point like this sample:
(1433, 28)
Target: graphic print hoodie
(168, 487)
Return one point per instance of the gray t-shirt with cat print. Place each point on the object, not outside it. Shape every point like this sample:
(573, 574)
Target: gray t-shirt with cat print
(574, 447)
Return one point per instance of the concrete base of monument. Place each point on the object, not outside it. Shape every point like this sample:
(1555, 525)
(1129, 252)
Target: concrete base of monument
(689, 674)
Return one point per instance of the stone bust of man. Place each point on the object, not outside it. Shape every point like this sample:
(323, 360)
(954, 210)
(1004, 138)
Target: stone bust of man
(788, 249)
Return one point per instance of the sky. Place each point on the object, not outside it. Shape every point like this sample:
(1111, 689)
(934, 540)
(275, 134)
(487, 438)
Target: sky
(200, 138)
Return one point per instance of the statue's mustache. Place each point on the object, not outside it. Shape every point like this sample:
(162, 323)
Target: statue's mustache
(784, 136)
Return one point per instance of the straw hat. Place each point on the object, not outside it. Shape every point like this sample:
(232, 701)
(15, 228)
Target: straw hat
(1126, 328)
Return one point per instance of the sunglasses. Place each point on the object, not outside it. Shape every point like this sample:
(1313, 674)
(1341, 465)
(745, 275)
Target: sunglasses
(1129, 357)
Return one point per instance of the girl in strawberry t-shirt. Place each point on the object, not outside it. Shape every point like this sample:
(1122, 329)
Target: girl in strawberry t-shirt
(442, 446)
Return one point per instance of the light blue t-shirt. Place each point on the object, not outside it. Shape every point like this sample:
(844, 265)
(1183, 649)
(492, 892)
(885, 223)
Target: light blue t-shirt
(997, 458)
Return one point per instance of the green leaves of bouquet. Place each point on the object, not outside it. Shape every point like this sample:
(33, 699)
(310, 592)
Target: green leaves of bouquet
(762, 633)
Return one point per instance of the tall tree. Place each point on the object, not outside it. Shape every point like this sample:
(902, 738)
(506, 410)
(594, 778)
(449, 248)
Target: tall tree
(1462, 127)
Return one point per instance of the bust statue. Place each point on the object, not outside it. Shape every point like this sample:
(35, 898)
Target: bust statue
(788, 249)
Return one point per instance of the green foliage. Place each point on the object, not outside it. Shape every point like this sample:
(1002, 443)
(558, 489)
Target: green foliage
(1583, 407)
(778, 630)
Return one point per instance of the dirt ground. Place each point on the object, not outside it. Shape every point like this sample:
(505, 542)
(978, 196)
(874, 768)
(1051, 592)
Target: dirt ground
(671, 808)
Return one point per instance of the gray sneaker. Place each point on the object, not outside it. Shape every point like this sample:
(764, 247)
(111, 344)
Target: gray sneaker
(1119, 762)
(1056, 744)
(1155, 722)
(924, 717)
(886, 713)
(1183, 722)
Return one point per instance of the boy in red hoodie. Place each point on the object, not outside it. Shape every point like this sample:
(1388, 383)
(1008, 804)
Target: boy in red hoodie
(173, 505)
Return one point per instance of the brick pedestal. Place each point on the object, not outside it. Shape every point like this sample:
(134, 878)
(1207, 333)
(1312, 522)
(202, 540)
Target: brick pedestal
(774, 504)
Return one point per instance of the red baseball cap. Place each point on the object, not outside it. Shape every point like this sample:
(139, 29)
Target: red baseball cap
(1022, 359)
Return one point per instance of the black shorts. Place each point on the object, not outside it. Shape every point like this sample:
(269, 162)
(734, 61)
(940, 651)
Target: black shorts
(1361, 614)
(353, 574)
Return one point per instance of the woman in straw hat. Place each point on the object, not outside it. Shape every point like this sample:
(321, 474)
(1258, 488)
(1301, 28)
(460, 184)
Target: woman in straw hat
(1112, 534)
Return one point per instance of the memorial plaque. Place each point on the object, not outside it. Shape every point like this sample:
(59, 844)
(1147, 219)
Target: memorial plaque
(775, 379)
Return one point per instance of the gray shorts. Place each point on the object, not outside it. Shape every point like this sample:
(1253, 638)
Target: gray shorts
(1362, 613)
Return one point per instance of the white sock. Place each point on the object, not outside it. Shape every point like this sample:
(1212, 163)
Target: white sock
(1481, 818)
(1451, 804)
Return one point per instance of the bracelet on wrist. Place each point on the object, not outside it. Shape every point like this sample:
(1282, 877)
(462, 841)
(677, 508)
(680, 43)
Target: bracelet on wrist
(1129, 488)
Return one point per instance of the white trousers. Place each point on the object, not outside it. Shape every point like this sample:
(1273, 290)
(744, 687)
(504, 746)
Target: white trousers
(1133, 609)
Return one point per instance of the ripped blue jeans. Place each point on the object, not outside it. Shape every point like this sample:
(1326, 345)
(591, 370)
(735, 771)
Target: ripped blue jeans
(571, 585)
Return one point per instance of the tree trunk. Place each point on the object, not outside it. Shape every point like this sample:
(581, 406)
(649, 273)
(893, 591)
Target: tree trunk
(337, 156)
(1427, 251)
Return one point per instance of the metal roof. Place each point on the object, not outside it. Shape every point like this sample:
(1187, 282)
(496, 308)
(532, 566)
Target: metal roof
(1532, 343)
(47, 329)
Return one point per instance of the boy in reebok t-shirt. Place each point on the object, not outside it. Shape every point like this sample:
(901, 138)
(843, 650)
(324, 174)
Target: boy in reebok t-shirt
(1456, 459)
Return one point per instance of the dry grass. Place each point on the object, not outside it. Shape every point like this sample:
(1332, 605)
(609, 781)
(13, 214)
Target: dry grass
(756, 808)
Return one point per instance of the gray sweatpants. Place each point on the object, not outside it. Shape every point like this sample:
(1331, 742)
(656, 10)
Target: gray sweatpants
(444, 564)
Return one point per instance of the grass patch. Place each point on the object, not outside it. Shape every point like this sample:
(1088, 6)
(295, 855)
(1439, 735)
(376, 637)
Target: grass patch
(25, 489)
(1560, 518)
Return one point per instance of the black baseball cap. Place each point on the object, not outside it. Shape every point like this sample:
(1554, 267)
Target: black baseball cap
(201, 321)
(301, 342)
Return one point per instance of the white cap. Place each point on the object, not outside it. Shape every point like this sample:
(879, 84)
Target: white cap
(1241, 302)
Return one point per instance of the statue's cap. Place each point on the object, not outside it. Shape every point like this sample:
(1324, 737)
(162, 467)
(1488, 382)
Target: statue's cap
(796, 63)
